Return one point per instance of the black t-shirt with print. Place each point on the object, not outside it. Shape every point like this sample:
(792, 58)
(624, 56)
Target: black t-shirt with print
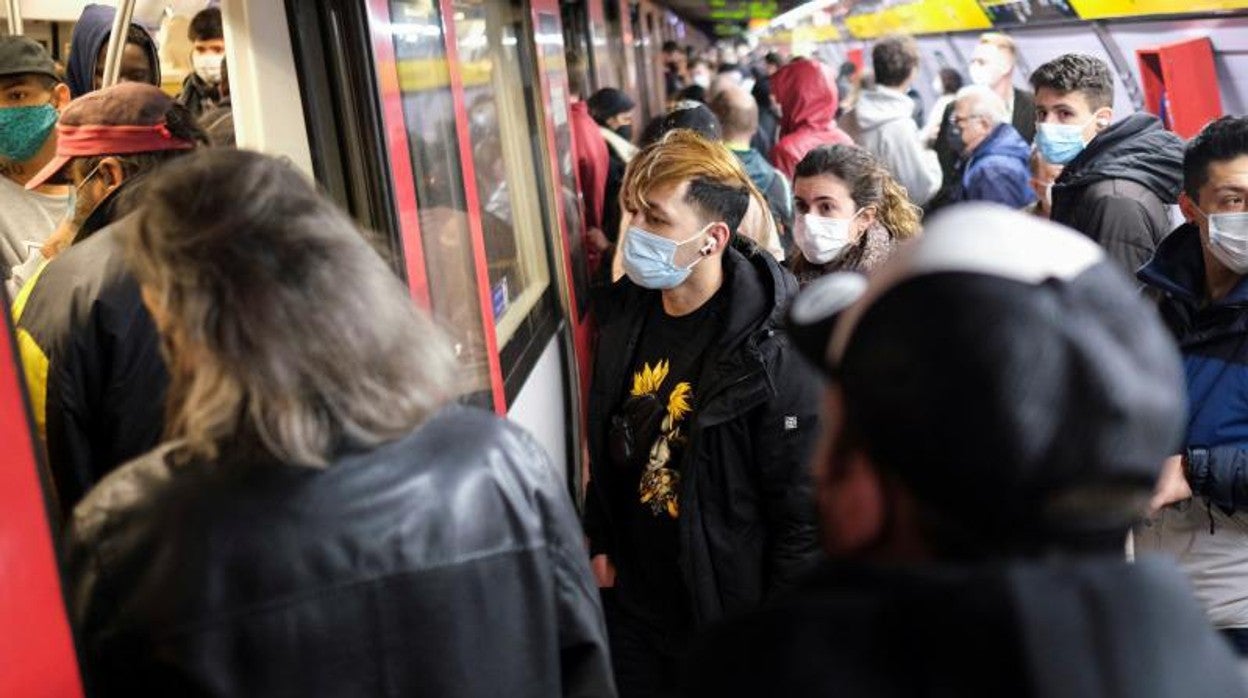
(650, 432)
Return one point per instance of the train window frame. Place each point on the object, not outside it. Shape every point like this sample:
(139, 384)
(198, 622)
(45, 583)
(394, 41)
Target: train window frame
(526, 323)
(330, 42)
(422, 129)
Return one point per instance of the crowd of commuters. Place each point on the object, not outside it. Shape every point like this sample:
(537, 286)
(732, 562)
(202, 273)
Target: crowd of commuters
(827, 432)
(853, 172)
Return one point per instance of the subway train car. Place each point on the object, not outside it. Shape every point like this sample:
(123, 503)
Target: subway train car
(443, 126)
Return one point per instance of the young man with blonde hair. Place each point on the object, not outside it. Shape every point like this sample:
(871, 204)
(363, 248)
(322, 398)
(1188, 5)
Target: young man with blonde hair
(701, 417)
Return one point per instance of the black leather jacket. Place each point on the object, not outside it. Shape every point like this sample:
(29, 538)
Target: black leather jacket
(448, 563)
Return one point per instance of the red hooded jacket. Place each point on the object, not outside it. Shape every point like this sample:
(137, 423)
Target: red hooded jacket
(591, 155)
(807, 96)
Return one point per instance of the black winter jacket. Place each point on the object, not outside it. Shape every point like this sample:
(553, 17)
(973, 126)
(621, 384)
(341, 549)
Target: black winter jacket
(103, 379)
(446, 563)
(198, 96)
(747, 519)
(1087, 627)
(1118, 190)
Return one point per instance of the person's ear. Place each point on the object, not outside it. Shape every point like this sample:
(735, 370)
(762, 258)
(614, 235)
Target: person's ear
(112, 174)
(717, 237)
(1104, 117)
(61, 96)
(1191, 212)
(865, 219)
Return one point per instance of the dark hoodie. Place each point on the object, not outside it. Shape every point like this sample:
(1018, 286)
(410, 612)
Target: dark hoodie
(997, 170)
(1118, 190)
(90, 35)
(807, 96)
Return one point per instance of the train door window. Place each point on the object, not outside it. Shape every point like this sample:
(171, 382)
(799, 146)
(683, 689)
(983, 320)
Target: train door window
(576, 33)
(500, 95)
(615, 43)
(567, 190)
(429, 116)
(606, 73)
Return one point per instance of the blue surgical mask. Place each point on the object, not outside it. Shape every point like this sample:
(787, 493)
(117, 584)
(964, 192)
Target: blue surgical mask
(1060, 143)
(650, 260)
(24, 130)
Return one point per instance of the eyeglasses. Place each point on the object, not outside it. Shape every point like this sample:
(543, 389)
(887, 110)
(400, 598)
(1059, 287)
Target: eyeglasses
(959, 120)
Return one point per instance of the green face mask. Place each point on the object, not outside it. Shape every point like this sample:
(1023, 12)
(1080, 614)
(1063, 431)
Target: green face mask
(23, 130)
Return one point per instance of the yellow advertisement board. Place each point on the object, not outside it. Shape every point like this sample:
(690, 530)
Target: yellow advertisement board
(865, 26)
(1104, 9)
(921, 17)
(935, 16)
(816, 35)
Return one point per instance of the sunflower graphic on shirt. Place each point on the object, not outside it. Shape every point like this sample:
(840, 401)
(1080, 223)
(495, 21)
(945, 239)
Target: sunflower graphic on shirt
(659, 482)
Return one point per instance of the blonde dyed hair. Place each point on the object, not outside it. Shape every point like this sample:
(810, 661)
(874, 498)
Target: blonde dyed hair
(1002, 42)
(682, 155)
(284, 329)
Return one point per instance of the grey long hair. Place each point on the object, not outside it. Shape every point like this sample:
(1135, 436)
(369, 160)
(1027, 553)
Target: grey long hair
(281, 323)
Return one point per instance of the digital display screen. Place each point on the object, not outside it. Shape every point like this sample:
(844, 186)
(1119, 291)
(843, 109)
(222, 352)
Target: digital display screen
(1016, 12)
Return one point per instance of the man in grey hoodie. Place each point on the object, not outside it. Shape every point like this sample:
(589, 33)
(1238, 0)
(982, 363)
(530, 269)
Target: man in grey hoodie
(882, 120)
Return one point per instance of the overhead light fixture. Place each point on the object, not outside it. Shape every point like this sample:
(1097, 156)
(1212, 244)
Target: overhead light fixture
(789, 19)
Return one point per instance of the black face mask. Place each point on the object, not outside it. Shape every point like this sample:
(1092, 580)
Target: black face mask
(625, 132)
(955, 140)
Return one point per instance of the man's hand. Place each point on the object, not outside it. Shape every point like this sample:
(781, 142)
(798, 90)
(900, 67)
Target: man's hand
(1172, 486)
(604, 571)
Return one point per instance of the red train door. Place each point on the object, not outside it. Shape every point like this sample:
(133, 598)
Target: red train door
(36, 649)
(553, 82)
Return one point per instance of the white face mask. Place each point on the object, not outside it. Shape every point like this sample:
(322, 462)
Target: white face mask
(208, 66)
(821, 239)
(984, 73)
(1228, 239)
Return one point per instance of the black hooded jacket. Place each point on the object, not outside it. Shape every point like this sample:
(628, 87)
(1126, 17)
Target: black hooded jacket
(747, 519)
(1118, 190)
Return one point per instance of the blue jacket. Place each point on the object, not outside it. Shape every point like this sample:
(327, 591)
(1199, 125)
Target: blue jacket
(997, 170)
(1214, 340)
